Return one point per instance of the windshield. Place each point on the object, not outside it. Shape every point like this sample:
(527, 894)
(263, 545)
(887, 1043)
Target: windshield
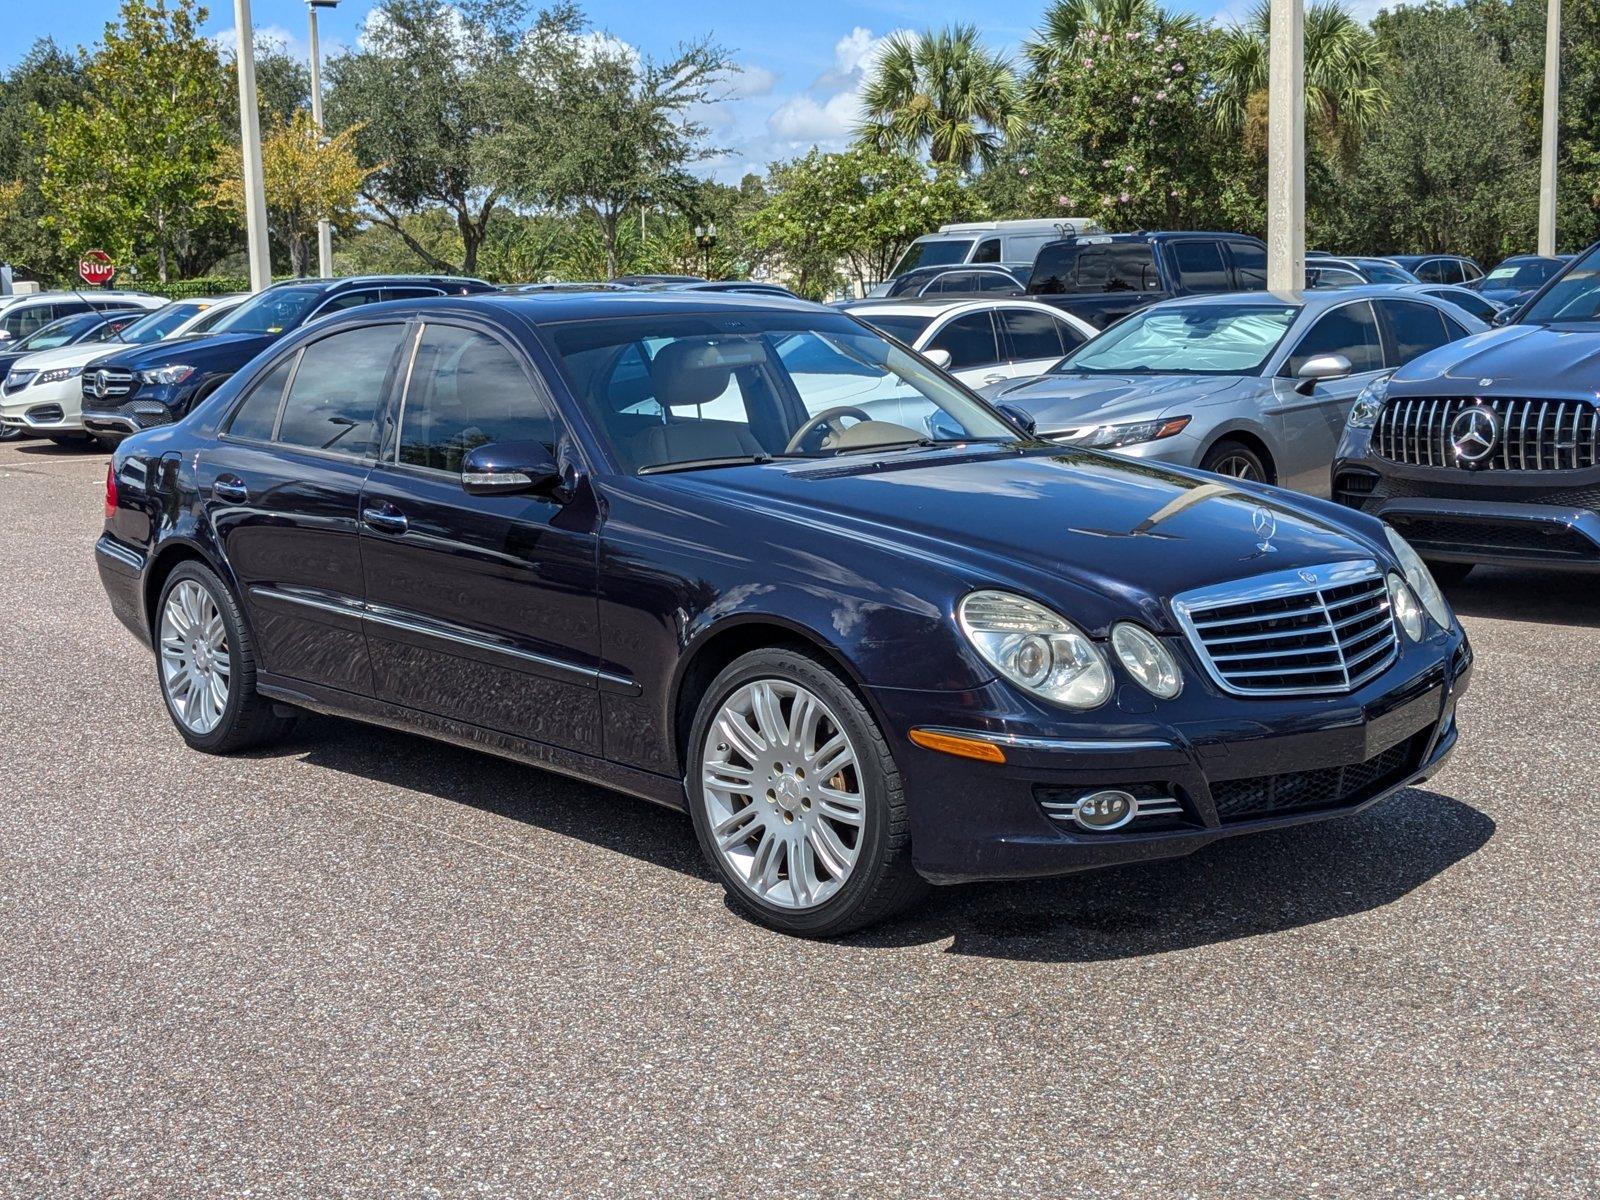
(271, 311)
(1573, 297)
(695, 391)
(59, 333)
(162, 323)
(905, 327)
(1528, 274)
(1210, 339)
(940, 252)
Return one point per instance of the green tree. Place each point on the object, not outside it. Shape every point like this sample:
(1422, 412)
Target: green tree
(1343, 69)
(1050, 51)
(427, 87)
(47, 79)
(599, 129)
(1446, 169)
(854, 214)
(944, 91)
(128, 167)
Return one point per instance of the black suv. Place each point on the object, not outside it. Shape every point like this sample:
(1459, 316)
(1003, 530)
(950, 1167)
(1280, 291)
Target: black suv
(1487, 450)
(1102, 278)
(156, 384)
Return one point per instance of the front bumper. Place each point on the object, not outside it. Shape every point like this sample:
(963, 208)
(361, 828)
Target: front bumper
(1505, 518)
(44, 409)
(1232, 765)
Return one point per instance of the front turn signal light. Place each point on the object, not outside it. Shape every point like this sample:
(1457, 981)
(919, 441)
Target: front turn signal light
(961, 747)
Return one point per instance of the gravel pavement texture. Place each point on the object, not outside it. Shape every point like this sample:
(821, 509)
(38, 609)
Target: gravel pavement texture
(362, 964)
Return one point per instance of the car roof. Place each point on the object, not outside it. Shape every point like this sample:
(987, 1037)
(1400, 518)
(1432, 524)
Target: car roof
(1310, 298)
(548, 308)
(340, 282)
(935, 305)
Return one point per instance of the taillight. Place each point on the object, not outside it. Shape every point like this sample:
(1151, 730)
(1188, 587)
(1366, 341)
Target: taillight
(111, 491)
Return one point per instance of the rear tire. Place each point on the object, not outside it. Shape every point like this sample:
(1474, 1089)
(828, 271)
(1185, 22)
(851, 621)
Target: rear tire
(1448, 574)
(1236, 461)
(783, 753)
(106, 441)
(206, 667)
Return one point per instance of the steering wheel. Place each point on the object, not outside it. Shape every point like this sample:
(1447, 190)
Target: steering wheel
(829, 418)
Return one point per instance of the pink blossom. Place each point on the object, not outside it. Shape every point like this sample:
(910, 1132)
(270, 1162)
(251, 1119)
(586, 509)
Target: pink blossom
(1124, 198)
(1161, 95)
(1105, 162)
(1128, 170)
(1088, 64)
(1107, 200)
(1177, 68)
(1022, 170)
(1064, 201)
(1136, 101)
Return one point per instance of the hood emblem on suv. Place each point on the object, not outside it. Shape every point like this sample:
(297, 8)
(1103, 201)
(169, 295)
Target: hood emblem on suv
(100, 383)
(1474, 433)
(1266, 526)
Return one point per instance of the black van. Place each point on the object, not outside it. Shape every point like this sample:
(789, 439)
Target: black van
(1102, 278)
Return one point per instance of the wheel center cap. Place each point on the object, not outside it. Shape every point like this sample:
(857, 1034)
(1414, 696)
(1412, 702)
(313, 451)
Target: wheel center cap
(789, 793)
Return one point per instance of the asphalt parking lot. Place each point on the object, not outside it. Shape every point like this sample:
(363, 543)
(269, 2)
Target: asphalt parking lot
(362, 964)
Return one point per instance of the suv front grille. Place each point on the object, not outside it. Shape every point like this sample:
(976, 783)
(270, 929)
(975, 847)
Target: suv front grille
(1529, 434)
(1305, 632)
(105, 387)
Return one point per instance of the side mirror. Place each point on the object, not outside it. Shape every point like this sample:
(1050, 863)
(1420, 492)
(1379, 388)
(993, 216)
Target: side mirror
(1318, 368)
(1023, 420)
(939, 358)
(1503, 317)
(506, 468)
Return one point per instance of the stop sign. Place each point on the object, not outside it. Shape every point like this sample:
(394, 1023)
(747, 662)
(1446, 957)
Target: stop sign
(96, 268)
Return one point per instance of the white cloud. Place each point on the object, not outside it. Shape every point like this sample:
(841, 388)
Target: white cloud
(748, 82)
(826, 115)
(269, 35)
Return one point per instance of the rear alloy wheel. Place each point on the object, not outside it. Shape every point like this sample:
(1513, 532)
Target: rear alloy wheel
(206, 666)
(796, 798)
(1236, 461)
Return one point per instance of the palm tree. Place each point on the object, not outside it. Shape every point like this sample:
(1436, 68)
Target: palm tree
(1065, 20)
(1343, 64)
(944, 91)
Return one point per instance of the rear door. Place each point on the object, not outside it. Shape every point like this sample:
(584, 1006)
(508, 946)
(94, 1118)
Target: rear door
(974, 348)
(480, 608)
(1308, 426)
(1413, 329)
(1199, 266)
(283, 491)
(1034, 341)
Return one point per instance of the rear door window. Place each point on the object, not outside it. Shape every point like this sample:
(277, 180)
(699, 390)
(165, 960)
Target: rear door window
(1417, 328)
(969, 340)
(1249, 265)
(1350, 330)
(256, 418)
(988, 251)
(1034, 334)
(1130, 267)
(1433, 271)
(341, 382)
(1200, 266)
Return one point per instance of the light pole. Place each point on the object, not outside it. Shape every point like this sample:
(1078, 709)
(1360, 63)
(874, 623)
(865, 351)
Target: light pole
(1286, 147)
(255, 196)
(1547, 138)
(706, 238)
(324, 228)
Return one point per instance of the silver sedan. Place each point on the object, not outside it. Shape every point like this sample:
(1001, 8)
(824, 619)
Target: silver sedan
(1253, 384)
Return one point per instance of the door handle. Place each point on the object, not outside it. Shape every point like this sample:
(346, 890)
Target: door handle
(230, 488)
(384, 518)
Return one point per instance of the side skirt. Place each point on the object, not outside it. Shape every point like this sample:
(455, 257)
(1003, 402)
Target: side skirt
(658, 789)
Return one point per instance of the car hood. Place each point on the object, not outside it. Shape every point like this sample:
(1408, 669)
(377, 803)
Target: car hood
(1058, 402)
(205, 351)
(1102, 536)
(1506, 295)
(1516, 360)
(62, 356)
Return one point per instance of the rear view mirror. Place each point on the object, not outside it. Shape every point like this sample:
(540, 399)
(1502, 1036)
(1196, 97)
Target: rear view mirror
(939, 358)
(507, 468)
(1019, 417)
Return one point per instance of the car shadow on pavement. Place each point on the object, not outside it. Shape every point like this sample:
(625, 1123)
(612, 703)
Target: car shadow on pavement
(1544, 596)
(47, 449)
(1236, 888)
(1240, 887)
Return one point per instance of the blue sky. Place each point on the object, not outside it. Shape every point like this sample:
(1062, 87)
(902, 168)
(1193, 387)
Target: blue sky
(802, 62)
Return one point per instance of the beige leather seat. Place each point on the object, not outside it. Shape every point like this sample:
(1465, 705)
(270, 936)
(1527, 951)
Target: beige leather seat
(683, 379)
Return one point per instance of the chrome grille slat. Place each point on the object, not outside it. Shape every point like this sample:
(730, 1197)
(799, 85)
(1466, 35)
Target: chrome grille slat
(1344, 631)
(1535, 434)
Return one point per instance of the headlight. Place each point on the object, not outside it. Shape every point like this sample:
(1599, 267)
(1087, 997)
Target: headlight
(1149, 662)
(1109, 437)
(1406, 609)
(1364, 412)
(1421, 579)
(167, 375)
(1038, 650)
(57, 374)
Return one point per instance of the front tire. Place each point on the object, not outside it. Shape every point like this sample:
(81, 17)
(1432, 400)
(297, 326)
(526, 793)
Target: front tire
(796, 799)
(205, 665)
(1236, 461)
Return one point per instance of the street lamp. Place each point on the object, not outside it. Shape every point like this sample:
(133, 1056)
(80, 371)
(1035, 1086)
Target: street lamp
(706, 238)
(324, 229)
(255, 196)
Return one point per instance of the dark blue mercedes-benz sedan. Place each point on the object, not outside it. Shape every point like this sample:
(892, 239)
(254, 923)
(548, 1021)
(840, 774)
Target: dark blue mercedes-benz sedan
(747, 557)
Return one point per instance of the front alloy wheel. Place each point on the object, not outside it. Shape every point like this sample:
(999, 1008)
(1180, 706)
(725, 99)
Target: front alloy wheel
(796, 798)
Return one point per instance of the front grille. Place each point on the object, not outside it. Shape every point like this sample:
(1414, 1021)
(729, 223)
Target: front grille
(1354, 488)
(1324, 629)
(15, 381)
(1492, 538)
(1329, 787)
(104, 387)
(1533, 434)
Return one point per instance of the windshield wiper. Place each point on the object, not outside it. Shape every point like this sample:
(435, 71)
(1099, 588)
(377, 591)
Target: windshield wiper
(696, 464)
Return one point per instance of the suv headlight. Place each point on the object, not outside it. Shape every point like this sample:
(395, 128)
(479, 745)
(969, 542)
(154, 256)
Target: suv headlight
(166, 375)
(1364, 412)
(1038, 650)
(1109, 437)
(1421, 579)
(57, 374)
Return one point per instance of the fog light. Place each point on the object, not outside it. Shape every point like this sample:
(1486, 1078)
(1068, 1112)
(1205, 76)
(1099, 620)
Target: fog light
(1105, 811)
